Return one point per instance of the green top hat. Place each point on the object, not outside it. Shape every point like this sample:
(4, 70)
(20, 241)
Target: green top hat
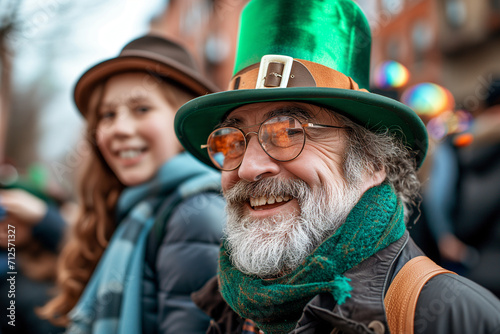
(312, 51)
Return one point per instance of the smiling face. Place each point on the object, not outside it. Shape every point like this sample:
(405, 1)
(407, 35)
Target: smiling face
(279, 212)
(319, 163)
(135, 132)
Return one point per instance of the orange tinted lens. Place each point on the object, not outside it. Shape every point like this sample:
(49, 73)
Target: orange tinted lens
(282, 137)
(226, 147)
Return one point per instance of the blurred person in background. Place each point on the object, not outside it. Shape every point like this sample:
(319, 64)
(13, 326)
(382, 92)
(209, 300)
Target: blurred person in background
(151, 215)
(36, 227)
(462, 200)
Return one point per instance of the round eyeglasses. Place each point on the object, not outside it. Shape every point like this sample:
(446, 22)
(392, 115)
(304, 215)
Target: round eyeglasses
(281, 137)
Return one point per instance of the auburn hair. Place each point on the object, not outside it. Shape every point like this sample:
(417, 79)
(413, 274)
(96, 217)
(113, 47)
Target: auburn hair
(98, 191)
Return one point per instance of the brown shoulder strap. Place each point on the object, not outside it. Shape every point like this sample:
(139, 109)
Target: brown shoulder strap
(402, 295)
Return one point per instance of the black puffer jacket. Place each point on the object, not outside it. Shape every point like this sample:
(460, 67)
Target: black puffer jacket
(447, 304)
(186, 259)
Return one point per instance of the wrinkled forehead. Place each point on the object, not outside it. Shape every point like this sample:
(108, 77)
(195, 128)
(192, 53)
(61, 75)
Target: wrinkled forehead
(255, 113)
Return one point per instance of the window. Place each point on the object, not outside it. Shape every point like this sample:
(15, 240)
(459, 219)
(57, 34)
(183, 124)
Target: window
(422, 37)
(495, 4)
(456, 13)
(393, 49)
(394, 7)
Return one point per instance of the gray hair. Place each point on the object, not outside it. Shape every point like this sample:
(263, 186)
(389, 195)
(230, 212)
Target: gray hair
(369, 151)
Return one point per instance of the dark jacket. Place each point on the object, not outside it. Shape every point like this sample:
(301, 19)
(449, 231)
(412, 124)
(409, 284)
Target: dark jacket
(476, 216)
(186, 259)
(447, 304)
(50, 230)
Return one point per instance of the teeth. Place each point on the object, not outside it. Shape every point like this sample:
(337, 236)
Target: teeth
(129, 154)
(268, 200)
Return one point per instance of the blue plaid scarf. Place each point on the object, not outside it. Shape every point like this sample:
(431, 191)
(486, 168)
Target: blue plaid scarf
(111, 301)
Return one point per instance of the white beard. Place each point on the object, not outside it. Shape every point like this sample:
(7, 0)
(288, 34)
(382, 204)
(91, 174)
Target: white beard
(276, 245)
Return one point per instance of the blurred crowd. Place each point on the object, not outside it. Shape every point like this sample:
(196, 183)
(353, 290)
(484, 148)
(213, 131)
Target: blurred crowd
(458, 223)
(36, 222)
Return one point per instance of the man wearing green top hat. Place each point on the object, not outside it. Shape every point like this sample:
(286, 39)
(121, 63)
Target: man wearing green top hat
(318, 175)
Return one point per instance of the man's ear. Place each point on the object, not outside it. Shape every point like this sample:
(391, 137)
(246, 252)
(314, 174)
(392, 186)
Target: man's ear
(373, 178)
(379, 176)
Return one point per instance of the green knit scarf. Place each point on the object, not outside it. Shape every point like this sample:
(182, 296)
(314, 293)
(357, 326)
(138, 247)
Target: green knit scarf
(276, 305)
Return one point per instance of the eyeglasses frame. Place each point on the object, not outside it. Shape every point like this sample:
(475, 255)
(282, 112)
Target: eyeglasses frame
(303, 126)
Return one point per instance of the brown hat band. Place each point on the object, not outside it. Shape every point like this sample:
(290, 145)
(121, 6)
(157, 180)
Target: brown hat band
(303, 73)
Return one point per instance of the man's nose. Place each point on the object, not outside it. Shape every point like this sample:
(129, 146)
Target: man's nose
(256, 163)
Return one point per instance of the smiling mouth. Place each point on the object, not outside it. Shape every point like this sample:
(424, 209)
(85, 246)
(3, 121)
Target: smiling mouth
(131, 153)
(265, 203)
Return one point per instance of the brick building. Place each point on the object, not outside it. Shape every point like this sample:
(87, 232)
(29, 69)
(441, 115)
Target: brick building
(455, 43)
(208, 28)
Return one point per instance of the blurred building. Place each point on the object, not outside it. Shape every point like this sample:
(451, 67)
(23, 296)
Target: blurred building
(455, 43)
(208, 28)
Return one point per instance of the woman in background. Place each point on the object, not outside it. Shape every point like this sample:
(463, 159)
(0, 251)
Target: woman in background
(151, 216)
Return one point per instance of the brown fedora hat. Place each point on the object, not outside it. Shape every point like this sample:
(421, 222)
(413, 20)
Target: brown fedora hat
(152, 54)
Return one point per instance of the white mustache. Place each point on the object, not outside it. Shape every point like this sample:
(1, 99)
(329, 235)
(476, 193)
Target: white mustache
(267, 187)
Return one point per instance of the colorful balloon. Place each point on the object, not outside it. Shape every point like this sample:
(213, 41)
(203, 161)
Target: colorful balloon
(428, 99)
(391, 74)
